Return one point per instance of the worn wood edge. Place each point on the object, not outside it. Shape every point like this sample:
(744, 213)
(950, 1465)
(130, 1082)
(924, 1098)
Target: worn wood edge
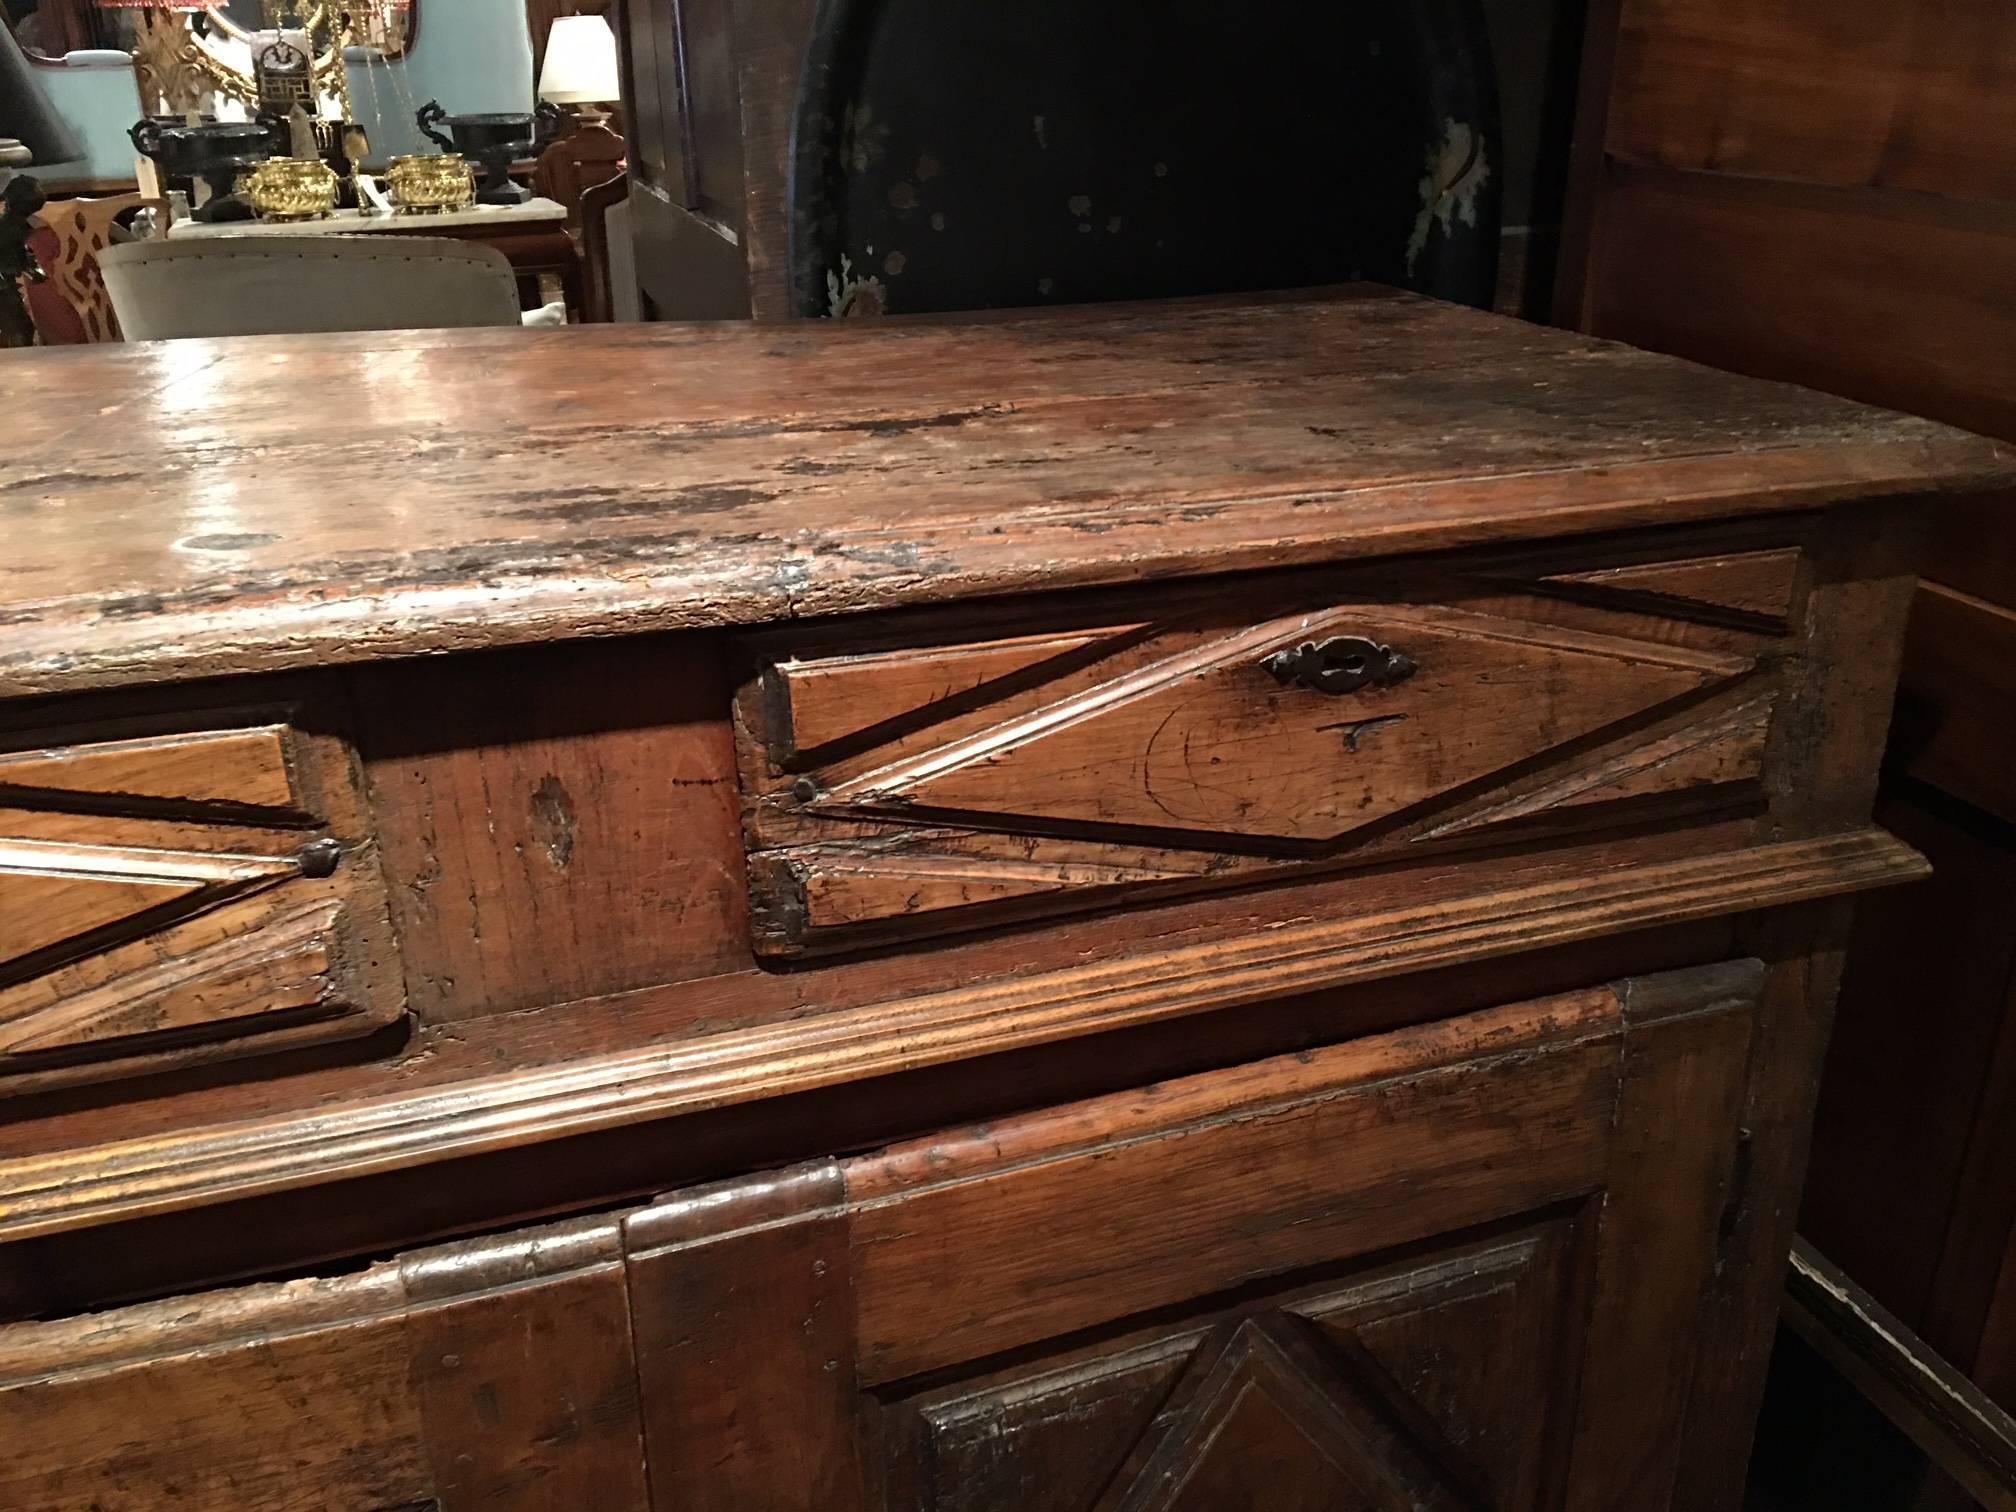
(149, 1332)
(1965, 1433)
(1114, 541)
(144, 1332)
(1633, 169)
(1473, 1041)
(739, 1205)
(106, 1183)
(1719, 987)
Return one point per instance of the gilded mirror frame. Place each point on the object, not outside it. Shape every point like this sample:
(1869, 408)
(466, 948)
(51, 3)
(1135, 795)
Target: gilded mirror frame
(81, 16)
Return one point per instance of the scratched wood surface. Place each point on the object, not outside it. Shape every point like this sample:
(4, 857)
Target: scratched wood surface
(188, 509)
(922, 789)
(1221, 1348)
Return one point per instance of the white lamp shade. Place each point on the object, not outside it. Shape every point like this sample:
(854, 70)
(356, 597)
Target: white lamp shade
(580, 62)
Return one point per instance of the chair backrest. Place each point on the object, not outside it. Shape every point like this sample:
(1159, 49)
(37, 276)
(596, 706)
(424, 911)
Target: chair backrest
(599, 254)
(1015, 152)
(73, 306)
(574, 164)
(268, 285)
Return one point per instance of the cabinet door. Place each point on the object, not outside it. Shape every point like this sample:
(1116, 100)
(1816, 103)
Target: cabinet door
(493, 1374)
(1456, 1266)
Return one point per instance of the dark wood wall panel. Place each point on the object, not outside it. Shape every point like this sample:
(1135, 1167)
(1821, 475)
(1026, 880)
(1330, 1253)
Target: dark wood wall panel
(1906, 1072)
(1825, 194)
(1900, 94)
(647, 44)
(1892, 298)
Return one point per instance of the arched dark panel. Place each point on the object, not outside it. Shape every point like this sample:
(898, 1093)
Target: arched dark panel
(966, 154)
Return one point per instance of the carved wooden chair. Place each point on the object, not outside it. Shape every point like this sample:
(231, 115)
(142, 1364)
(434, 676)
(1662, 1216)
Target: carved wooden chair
(576, 163)
(73, 306)
(598, 256)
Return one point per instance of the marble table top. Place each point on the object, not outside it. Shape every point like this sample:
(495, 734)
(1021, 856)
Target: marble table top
(352, 223)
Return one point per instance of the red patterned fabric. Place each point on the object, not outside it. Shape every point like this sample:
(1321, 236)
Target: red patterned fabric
(55, 321)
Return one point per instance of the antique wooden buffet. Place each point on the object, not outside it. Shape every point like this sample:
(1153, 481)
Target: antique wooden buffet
(1201, 905)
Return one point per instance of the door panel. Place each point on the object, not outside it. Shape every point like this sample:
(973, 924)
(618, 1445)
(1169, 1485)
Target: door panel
(1450, 1354)
(493, 1374)
(1454, 1266)
(1221, 1180)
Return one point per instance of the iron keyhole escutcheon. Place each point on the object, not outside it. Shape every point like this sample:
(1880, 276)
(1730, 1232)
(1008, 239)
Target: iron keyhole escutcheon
(1341, 664)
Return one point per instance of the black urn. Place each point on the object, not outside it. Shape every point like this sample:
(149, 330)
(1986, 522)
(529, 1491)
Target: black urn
(208, 151)
(495, 140)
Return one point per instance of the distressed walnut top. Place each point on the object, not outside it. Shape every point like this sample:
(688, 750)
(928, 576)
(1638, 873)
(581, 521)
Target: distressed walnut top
(187, 509)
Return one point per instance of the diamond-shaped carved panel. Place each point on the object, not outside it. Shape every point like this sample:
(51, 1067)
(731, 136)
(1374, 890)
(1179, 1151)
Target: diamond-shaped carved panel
(925, 788)
(1267, 1415)
(181, 896)
(1420, 1385)
(1215, 741)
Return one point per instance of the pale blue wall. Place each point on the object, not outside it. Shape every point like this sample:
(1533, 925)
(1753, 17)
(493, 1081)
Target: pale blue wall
(99, 104)
(472, 55)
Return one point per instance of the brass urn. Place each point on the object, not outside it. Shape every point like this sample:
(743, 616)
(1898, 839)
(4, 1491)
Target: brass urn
(431, 182)
(290, 189)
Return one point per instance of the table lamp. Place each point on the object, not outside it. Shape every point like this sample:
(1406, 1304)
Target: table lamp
(581, 67)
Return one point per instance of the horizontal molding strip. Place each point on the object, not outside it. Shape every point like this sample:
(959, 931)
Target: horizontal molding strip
(191, 1168)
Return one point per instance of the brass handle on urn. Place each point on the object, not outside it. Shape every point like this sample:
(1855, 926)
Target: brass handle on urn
(1341, 664)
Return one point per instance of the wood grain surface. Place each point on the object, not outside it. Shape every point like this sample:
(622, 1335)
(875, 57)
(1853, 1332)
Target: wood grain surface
(753, 1343)
(490, 1373)
(400, 1127)
(204, 891)
(960, 784)
(171, 513)
(1394, 1272)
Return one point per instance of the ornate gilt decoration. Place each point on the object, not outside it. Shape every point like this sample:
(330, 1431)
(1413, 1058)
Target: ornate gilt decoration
(185, 71)
(173, 74)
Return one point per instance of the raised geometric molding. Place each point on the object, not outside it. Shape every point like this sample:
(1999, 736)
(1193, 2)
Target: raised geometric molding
(840, 887)
(1758, 583)
(1439, 1375)
(180, 897)
(40, 910)
(1475, 1351)
(829, 699)
(1263, 1402)
(246, 768)
(1072, 1430)
(1208, 741)
(283, 969)
(1234, 740)
(1723, 748)
(51, 893)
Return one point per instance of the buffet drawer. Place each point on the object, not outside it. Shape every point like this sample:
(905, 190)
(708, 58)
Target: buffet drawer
(904, 786)
(180, 892)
